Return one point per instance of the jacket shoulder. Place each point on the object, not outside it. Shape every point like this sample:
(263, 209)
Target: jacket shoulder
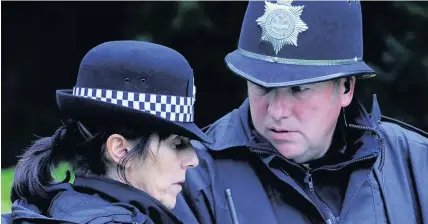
(396, 130)
(403, 176)
(402, 125)
(83, 208)
(403, 145)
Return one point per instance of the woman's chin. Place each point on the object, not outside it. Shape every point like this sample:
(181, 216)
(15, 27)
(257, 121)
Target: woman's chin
(170, 204)
(169, 200)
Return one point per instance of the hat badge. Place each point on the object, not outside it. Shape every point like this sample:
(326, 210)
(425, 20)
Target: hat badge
(281, 23)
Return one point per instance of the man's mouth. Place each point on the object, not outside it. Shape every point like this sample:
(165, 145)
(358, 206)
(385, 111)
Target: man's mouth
(281, 130)
(281, 134)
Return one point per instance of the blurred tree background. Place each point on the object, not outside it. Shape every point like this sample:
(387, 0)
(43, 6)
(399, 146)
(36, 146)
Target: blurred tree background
(43, 43)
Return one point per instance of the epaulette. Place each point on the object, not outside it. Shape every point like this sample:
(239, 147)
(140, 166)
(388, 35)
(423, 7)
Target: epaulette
(405, 125)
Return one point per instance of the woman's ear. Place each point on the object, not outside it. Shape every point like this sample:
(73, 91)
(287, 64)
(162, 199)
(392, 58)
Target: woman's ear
(117, 147)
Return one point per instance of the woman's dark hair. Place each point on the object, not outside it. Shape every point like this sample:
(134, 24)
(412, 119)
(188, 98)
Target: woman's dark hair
(85, 152)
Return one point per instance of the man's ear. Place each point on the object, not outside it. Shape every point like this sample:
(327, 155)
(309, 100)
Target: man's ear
(117, 147)
(347, 89)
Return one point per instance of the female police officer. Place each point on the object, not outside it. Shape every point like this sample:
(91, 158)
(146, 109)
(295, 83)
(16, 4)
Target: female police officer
(129, 122)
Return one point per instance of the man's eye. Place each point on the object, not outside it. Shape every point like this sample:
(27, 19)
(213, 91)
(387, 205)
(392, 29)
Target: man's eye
(298, 89)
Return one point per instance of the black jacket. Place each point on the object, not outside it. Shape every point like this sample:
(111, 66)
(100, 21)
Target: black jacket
(92, 199)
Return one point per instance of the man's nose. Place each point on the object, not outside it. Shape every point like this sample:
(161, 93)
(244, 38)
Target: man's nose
(280, 105)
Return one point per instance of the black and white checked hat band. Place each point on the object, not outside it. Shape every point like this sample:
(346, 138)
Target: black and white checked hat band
(173, 108)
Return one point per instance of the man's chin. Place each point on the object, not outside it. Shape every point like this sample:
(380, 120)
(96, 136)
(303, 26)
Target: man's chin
(290, 151)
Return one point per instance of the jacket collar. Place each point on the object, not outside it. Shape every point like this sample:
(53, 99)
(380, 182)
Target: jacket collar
(115, 191)
(110, 190)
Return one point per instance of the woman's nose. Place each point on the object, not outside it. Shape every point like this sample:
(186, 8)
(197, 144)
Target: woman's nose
(190, 159)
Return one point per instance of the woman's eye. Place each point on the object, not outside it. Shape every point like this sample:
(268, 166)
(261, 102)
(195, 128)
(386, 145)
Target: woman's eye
(181, 144)
(178, 145)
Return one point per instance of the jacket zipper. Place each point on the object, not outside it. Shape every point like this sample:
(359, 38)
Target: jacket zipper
(308, 178)
(311, 184)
